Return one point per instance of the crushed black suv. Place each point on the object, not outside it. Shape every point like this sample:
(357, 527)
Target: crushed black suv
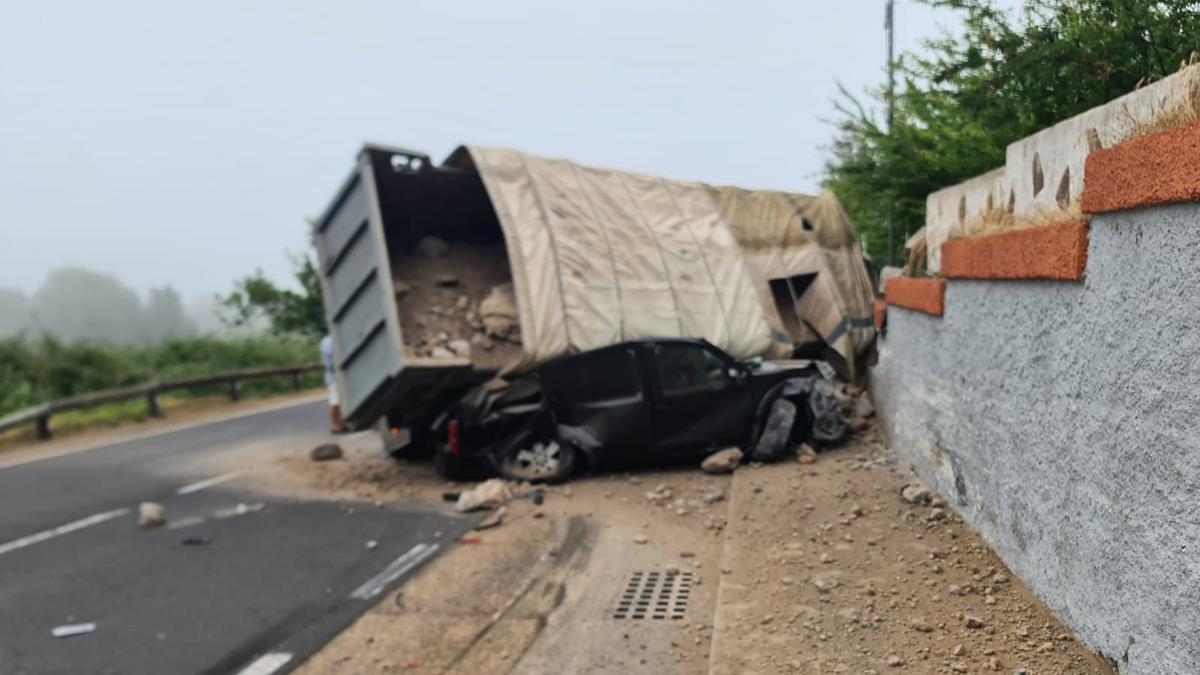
(638, 402)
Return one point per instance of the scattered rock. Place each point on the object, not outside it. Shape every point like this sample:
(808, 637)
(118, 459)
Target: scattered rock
(640, 539)
(973, 621)
(432, 247)
(915, 493)
(483, 342)
(490, 494)
(936, 514)
(723, 461)
(326, 452)
(499, 313)
(495, 519)
(151, 514)
(460, 348)
(920, 625)
(372, 545)
(895, 661)
(955, 589)
(440, 352)
(1000, 579)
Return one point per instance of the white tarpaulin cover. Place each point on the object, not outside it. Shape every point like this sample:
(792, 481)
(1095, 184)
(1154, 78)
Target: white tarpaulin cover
(784, 235)
(600, 256)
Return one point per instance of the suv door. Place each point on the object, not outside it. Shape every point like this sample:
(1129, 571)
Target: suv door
(700, 400)
(603, 391)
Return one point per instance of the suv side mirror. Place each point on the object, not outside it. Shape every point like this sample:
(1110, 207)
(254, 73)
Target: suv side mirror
(738, 374)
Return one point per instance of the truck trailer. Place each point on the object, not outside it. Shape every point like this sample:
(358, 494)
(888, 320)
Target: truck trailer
(439, 278)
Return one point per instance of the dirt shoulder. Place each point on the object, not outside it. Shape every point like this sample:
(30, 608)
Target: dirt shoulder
(828, 569)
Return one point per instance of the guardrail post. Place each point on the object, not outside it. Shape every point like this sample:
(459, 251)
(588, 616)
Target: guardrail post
(152, 403)
(295, 380)
(235, 389)
(43, 426)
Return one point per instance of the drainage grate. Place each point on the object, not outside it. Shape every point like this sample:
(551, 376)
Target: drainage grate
(654, 595)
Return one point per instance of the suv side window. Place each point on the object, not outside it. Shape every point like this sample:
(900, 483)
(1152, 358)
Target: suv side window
(604, 376)
(687, 368)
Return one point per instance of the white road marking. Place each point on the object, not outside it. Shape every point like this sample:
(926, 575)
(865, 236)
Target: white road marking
(266, 664)
(61, 529)
(200, 485)
(54, 454)
(394, 571)
(228, 512)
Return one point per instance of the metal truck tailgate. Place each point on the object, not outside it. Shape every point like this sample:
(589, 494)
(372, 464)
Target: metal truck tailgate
(356, 282)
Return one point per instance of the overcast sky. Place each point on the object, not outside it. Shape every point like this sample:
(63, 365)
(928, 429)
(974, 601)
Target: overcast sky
(184, 143)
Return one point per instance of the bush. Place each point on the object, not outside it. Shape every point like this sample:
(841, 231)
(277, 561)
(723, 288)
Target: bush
(33, 372)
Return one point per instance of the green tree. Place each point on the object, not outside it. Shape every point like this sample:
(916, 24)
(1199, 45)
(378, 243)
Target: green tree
(963, 98)
(288, 311)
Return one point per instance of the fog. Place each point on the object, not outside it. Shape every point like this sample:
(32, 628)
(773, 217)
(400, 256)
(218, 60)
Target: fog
(77, 304)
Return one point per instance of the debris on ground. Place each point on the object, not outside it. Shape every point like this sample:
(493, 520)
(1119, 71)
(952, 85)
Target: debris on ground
(858, 572)
(151, 514)
(490, 494)
(805, 454)
(326, 452)
(722, 461)
(72, 629)
(196, 541)
(494, 520)
(916, 493)
(372, 545)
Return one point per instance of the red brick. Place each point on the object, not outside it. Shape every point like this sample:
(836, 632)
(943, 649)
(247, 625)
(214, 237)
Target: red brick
(1057, 251)
(921, 295)
(1162, 168)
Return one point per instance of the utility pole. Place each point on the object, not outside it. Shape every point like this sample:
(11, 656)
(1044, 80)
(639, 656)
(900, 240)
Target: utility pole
(889, 26)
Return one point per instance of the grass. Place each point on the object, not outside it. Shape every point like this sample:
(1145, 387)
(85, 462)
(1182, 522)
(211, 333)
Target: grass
(996, 221)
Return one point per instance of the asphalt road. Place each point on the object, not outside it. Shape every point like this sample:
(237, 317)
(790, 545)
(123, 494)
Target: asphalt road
(235, 583)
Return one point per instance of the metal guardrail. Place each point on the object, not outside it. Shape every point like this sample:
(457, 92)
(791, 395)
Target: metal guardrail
(41, 414)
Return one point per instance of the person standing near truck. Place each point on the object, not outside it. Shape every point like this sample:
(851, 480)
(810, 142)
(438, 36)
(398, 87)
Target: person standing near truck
(335, 410)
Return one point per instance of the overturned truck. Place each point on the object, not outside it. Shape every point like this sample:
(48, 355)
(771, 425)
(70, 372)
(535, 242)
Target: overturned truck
(438, 278)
